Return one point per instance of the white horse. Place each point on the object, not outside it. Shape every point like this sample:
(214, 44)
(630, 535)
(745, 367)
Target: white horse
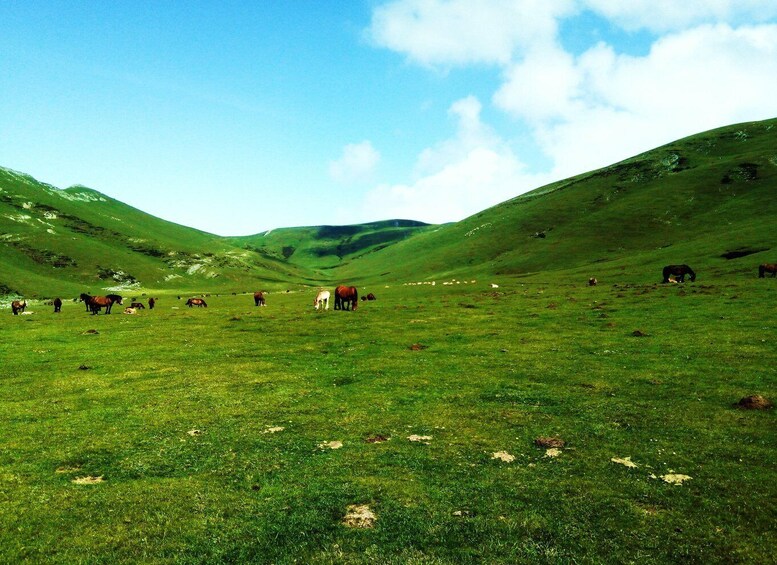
(321, 297)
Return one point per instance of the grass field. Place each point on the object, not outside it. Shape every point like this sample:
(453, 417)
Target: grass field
(211, 435)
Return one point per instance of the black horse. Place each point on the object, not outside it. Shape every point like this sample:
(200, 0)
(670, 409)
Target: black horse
(678, 271)
(57, 305)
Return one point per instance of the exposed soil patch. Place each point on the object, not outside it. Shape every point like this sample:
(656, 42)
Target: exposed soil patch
(421, 439)
(91, 332)
(552, 452)
(503, 456)
(376, 439)
(639, 333)
(625, 461)
(675, 478)
(330, 445)
(418, 347)
(88, 480)
(546, 442)
(754, 402)
(359, 516)
(273, 430)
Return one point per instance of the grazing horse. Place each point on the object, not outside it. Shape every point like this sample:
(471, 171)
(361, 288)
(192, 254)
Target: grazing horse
(259, 298)
(57, 304)
(137, 306)
(678, 271)
(321, 297)
(196, 302)
(346, 298)
(95, 303)
(370, 296)
(592, 281)
(767, 268)
(116, 298)
(18, 306)
(151, 303)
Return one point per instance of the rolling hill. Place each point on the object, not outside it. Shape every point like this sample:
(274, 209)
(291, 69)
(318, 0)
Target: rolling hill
(707, 200)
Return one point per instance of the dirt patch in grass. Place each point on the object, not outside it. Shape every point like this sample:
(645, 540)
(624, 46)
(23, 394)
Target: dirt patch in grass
(330, 445)
(552, 452)
(546, 442)
(376, 439)
(675, 478)
(273, 430)
(421, 439)
(754, 402)
(503, 456)
(639, 333)
(88, 480)
(418, 347)
(625, 461)
(359, 516)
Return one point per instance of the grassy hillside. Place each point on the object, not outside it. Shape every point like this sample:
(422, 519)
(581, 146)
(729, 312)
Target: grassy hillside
(707, 200)
(56, 241)
(326, 247)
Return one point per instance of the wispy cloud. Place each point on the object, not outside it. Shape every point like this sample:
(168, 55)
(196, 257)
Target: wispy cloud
(356, 163)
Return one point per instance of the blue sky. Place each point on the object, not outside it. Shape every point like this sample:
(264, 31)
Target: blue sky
(239, 117)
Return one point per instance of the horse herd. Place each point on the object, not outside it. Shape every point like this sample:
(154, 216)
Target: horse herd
(346, 297)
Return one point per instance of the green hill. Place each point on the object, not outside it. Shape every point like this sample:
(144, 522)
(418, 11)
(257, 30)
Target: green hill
(326, 247)
(706, 200)
(64, 241)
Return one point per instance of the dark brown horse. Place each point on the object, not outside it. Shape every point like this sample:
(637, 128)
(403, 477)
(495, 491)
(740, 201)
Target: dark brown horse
(346, 298)
(259, 299)
(678, 271)
(137, 306)
(18, 306)
(57, 305)
(370, 296)
(767, 268)
(151, 303)
(96, 303)
(199, 302)
(116, 298)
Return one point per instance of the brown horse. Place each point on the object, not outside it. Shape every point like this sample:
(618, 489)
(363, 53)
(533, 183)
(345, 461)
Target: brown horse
(151, 303)
(678, 271)
(199, 302)
(767, 268)
(18, 306)
(346, 298)
(96, 303)
(259, 298)
(137, 306)
(116, 298)
(57, 305)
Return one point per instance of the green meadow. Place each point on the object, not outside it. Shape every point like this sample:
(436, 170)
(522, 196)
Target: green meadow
(488, 407)
(241, 434)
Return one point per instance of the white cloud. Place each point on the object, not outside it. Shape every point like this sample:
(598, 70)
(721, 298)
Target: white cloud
(674, 15)
(606, 107)
(444, 32)
(357, 163)
(473, 170)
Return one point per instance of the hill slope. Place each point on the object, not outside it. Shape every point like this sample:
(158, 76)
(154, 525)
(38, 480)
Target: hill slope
(707, 200)
(56, 241)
